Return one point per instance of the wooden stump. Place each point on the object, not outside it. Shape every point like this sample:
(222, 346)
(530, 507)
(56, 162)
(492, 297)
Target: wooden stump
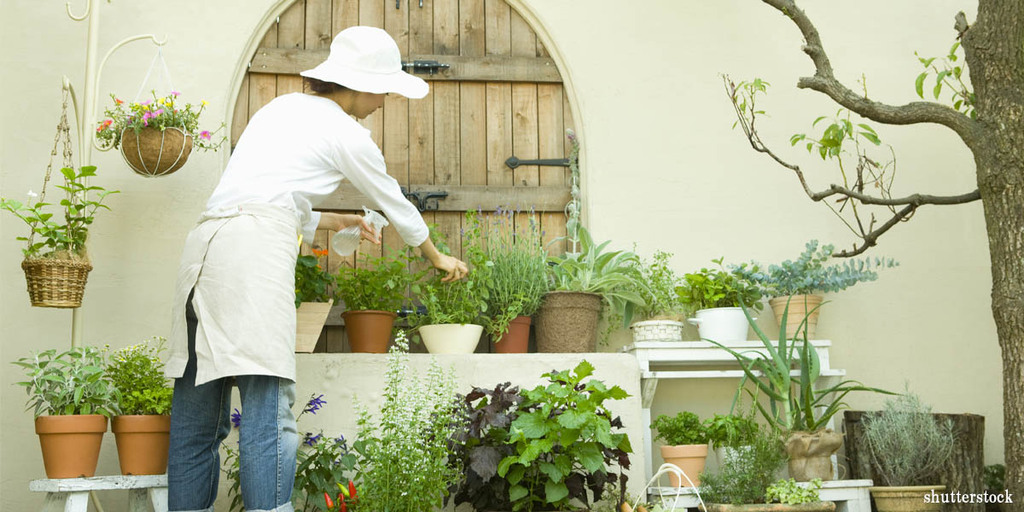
(962, 473)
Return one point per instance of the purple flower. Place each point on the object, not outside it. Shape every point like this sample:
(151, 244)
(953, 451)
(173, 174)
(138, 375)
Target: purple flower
(236, 418)
(205, 135)
(315, 404)
(175, 94)
(311, 440)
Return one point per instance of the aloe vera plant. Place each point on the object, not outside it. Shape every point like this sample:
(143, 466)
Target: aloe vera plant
(794, 404)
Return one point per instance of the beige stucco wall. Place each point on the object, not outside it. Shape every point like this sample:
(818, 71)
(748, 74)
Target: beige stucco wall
(662, 168)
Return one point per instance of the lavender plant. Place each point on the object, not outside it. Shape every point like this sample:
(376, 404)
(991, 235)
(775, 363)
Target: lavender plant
(518, 266)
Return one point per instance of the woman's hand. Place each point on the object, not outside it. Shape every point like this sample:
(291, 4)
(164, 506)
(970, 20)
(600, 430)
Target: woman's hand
(453, 267)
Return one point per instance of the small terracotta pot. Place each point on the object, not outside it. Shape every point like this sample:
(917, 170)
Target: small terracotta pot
(369, 331)
(71, 444)
(799, 305)
(690, 458)
(142, 443)
(517, 339)
(906, 499)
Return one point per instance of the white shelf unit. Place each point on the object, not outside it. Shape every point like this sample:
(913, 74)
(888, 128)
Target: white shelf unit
(849, 495)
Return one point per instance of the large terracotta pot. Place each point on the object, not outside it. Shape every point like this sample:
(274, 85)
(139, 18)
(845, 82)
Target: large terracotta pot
(567, 322)
(153, 152)
(517, 339)
(799, 305)
(142, 443)
(451, 338)
(690, 458)
(71, 444)
(369, 331)
(908, 499)
(810, 454)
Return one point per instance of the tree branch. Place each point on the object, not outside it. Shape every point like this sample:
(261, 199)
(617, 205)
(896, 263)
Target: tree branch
(824, 81)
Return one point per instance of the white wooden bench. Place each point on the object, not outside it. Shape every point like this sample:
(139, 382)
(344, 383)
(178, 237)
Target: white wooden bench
(849, 495)
(145, 492)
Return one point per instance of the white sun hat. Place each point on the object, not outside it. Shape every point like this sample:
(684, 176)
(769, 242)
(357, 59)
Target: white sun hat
(367, 59)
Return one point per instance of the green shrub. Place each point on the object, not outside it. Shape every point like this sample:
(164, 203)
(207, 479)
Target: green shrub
(138, 374)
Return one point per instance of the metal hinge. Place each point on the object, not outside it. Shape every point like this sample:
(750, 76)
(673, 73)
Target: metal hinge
(514, 162)
(425, 200)
(429, 67)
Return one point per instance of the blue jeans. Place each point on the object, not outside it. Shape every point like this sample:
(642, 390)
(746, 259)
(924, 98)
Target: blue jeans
(200, 421)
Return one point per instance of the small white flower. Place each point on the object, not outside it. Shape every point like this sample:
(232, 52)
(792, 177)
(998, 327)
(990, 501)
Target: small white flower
(32, 196)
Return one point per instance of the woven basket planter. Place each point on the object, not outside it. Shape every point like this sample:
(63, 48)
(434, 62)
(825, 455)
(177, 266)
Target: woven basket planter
(152, 152)
(657, 330)
(56, 283)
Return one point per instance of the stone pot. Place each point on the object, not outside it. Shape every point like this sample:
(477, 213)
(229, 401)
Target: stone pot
(907, 499)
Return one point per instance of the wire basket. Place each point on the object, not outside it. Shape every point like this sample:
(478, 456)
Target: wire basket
(56, 283)
(664, 469)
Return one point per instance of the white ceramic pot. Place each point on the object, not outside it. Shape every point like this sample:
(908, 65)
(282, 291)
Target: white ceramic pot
(724, 325)
(657, 330)
(451, 338)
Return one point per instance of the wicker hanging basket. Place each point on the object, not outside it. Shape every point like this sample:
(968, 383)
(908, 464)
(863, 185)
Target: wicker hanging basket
(152, 152)
(56, 283)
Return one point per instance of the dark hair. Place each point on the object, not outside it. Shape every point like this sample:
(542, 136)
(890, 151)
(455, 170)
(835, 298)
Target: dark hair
(320, 86)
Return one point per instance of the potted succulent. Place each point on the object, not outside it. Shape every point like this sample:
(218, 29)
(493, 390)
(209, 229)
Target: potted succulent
(518, 278)
(686, 444)
(156, 136)
(564, 442)
(797, 408)
(582, 283)
(71, 398)
(403, 457)
(715, 296)
(907, 446)
(455, 310)
(142, 429)
(660, 315)
(55, 261)
(313, 299)
(798, 284)
(373, 292)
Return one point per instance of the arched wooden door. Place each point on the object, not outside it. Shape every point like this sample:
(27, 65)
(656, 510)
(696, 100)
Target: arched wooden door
(501, 96)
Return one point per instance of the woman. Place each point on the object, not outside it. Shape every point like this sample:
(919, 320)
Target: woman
(234, 313)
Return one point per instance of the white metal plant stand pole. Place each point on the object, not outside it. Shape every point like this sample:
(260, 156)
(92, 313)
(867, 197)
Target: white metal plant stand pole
(86, 116)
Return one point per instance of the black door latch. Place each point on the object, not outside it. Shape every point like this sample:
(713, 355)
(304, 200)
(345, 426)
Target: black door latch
(514, 162)
(428, 67)
(425, 200)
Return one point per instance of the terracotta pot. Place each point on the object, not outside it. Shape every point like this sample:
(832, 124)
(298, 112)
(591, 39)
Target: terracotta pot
(810, 454)
(369, 331)
(517, 339)
(817, 506)
(451, 338)
(153, 152)
(71, 444)
(142, 443)
(907, 499)
(309, 323)
(690, 458)
(799, 305)
(567, 322)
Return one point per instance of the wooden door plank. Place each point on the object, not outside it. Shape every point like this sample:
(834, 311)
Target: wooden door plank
(551, 141)
(499, 32)
(447, 154)
(344, 14)
(240, 117)
(523, 39)
(524, 133)
(371, 13)
(291, 34)
(462, 197)
(446, 27)
(396, 118)
(499, 133)
(319, 26)
(473, 97)
(263, 88)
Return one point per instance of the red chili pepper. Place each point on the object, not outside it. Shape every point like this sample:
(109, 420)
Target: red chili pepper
(341, 503)
(352, 489)
(330, 503)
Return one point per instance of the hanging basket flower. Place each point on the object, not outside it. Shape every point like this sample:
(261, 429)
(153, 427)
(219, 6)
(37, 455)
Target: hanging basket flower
(156, 136)
(153, 152)
(56, 283)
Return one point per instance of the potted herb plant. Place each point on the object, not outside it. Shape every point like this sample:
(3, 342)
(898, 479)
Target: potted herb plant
(728, 433)
(582, 283)
(142, 429)
(313, 299)
(797, 408)
(71, 398)
(799, 283)
(686, 444)
(563, 442)
(156, 136)
(455, 310)
(660, 314)
(744, 479)
(518, 278)
(403, 460)
(715, 296)
(55, 261)
(373, 292)
(907, 446)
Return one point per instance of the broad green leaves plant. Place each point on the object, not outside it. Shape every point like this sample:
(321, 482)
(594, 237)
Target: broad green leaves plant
(564, 442)
(809, 273)
(52, 237)
(138, 374)
(464, 301)
(312, 282)
(378, 283)
(710, 288)
(71, 382)
(681, 429)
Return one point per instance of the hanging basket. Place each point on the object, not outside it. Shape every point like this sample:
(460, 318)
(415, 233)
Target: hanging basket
(56, 283)
(153, 152)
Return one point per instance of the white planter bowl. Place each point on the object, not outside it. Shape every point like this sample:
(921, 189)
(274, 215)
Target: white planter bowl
(724, 325)
(451, 338)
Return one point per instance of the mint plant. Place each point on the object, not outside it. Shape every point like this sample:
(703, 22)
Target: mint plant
(711, 288)
(379, 283)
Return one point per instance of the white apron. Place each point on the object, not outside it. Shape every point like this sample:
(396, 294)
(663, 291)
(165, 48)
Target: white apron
(240, 262)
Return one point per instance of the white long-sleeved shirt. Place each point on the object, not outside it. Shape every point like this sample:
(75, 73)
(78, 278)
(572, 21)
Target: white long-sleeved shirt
(295, 152)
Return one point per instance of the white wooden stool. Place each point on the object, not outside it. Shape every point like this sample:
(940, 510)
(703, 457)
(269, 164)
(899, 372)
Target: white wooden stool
(145, 492)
